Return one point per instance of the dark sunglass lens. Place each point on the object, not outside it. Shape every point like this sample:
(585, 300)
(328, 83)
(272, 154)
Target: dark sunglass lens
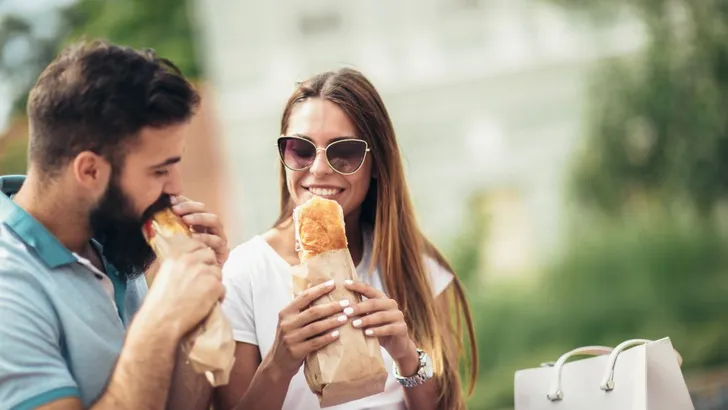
(296, 153)
(347, 156)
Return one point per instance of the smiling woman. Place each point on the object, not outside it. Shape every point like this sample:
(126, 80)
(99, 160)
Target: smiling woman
(342, 173)
(337, 142)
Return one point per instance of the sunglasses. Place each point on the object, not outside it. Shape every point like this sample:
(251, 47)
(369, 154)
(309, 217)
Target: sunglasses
(343, 156)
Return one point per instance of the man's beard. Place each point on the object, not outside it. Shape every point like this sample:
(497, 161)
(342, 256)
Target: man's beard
(118, 229)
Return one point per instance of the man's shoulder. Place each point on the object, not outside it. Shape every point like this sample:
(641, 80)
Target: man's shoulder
(22, 280)
(15, 254)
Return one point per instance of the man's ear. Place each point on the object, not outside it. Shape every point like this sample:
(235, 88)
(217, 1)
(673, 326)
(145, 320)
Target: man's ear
(92, 171)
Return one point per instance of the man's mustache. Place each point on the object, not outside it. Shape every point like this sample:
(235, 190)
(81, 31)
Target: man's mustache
(164, 202)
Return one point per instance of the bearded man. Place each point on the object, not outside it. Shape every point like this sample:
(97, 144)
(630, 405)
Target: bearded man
(78, 328)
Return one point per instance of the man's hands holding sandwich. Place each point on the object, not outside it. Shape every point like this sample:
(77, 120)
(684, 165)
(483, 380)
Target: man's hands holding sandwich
(188, 281)
(206, 226)
(186, 287)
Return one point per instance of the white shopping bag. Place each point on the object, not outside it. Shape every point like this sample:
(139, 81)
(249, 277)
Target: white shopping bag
(636, 375)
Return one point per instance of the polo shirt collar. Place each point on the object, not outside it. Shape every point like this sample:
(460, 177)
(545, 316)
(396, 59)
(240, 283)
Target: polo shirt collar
(34, 234)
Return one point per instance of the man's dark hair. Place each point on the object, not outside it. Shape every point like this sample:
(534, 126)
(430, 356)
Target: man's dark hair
(96, 96)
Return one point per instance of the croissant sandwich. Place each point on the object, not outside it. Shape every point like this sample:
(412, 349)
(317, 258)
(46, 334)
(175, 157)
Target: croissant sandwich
(319, 226)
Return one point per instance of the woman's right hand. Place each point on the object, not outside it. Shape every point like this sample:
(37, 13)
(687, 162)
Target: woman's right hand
(303, 328)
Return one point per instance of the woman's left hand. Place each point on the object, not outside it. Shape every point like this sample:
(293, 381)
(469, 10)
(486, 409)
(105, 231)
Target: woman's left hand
(206, 226)
(380, 317)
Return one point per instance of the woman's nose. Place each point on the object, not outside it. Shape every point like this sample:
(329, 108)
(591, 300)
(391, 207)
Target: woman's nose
(320, 166)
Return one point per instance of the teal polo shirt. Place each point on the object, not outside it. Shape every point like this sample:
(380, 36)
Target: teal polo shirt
(62, 321)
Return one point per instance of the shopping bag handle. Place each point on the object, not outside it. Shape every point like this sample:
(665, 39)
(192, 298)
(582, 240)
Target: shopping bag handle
(555, 393)
(608, 379)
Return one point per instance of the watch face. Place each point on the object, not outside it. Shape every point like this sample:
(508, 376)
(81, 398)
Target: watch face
(428, 370)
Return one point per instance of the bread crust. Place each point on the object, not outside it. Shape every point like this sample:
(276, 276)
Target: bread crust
(319, 226)
(164, 223)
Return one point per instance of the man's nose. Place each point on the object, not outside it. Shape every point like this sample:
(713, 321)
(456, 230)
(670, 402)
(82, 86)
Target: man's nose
(173, 185)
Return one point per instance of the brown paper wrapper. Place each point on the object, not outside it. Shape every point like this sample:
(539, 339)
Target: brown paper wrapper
(351, 367)
(210, 347)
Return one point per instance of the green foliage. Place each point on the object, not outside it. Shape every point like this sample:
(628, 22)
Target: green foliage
(163, 25)
(13, 156)
(658, 126)
(640, 279)
(465, 252)
(658, 138)
(21, 70)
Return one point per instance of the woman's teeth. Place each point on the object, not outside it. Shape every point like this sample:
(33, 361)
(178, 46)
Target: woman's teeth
(324, 191)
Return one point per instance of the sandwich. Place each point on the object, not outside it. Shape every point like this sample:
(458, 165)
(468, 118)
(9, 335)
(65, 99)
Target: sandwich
(163, 224)
(319, 225)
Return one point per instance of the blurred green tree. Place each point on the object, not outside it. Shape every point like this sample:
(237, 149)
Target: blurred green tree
(31, 41)
(164, 25)
(657, 126)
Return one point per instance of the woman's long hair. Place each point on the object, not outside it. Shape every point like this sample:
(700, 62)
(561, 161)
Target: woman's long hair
(399, 247)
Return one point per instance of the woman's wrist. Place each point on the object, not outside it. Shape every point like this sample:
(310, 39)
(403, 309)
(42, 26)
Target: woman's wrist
(409, 363)
(276, 373)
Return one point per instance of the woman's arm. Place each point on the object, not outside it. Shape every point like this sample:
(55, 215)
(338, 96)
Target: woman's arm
(380, 317)
(253, 384)
(263, 384)
(425, 396)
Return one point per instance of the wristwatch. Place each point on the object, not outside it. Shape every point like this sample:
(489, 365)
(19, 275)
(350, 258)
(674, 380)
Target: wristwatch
(424, 372)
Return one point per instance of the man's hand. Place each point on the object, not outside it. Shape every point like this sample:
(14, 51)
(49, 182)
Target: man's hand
(207, 226)
(186, 287)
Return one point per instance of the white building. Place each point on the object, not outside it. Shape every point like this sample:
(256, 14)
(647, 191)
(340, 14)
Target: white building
(485, 95)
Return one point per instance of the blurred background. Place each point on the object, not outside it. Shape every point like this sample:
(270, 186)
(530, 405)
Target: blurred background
(569, 156)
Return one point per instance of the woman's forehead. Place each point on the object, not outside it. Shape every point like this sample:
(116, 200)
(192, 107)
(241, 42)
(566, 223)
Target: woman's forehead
(321, 121)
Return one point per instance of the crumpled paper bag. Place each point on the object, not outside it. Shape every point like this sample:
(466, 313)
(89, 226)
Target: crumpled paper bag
(352, 366)
(210, 347)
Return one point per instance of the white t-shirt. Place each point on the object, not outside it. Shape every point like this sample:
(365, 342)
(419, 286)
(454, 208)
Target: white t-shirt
(258, 282)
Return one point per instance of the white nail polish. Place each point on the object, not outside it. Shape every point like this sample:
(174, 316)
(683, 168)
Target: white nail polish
(356, 323)
(342, 318)
(344, 303)
(369, 332)
(349, 282)
(329, 283)
(335, 333)
(348, 311)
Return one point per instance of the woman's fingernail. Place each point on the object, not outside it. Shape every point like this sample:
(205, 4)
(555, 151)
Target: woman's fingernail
(349, 311)
(369, 332)
(344, 303)
(329, 283)
(349, 282)
(335, 334)
(356, 323)
(342, 318)
(174, 200)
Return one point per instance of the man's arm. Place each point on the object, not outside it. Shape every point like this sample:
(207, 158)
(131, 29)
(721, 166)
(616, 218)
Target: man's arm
(35, 374)
(142, 374)
(190, 390)
(186, 288)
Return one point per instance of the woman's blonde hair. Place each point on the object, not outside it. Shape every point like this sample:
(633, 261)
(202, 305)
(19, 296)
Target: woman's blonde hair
(399, 247)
